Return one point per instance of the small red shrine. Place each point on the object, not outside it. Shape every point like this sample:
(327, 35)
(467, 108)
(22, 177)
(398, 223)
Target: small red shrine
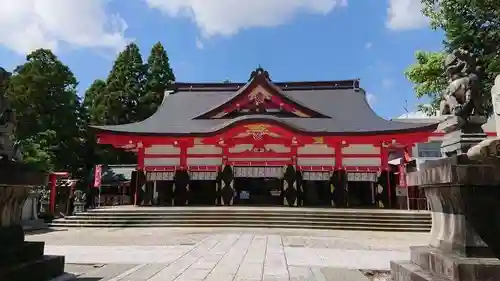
(265, 142)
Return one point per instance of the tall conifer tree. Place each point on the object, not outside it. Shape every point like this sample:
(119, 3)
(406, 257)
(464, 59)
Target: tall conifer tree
(125, 86)
(159, 77)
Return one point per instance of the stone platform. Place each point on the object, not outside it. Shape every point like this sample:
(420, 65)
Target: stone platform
(464, 196)
(431, 264)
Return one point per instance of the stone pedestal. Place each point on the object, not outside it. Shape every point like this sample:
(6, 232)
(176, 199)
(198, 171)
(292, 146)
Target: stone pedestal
(21, 260)
(461, 134)
(464, 196)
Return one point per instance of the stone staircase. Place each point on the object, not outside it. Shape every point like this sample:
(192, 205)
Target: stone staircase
(262, 217)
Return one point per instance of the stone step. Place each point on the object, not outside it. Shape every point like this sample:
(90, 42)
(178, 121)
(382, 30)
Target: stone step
(26, 252)
(240, 216)
(278, 209)
(405, 270)
(247, 213)
(222, 217)
(251, 221)
(247, 225)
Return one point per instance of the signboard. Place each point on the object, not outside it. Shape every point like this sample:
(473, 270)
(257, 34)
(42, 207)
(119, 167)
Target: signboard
(316, 176)
(361, 176)
(258, 172)
(97, 176)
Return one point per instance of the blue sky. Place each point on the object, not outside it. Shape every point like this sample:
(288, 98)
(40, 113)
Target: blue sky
(214, 40)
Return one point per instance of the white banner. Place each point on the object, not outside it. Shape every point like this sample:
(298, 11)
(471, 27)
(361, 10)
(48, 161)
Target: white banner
(360, 176)
(160, 176)
(203, 175)
(316, 176)
(258, 172)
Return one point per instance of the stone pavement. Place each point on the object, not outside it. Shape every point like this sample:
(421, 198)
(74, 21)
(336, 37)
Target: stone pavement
(162, 254)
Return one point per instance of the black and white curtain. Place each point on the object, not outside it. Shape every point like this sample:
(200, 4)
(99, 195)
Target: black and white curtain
(290, 192)
(225, 186)
(339, 189)
(180, 188)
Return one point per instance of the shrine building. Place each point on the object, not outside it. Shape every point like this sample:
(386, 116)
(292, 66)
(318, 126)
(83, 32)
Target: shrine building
(265, 143)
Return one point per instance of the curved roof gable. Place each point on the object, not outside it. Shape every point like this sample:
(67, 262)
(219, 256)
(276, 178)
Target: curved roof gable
(333, 108)
(256, 96)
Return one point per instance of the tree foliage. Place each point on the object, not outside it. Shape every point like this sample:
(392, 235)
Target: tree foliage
(124, 87)
(159, 77)
(428, 78)
(94, 102)
(48, 111)
(52, 122)
(470, 24)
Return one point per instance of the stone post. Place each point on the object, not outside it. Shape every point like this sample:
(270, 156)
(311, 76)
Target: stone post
(79, 202)
(495, 98)
(30, 207)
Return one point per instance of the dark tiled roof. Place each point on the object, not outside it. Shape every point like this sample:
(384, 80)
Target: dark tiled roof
(347, 108)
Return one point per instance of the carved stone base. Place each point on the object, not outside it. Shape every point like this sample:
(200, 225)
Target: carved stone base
(463, 195)
(461, 134)
(431, 264)
(21, 260)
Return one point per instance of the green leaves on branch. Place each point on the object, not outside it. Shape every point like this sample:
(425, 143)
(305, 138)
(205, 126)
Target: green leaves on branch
(470, 24)
(159, 77)
(43, 93)
(428, 79)
(132, 92)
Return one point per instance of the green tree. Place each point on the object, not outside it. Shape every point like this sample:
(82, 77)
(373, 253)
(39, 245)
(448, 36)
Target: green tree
(43, 93)
(470, 24)
(4, 83)
(427, 74)
(93, 102)
(125, 86)
(159, 77)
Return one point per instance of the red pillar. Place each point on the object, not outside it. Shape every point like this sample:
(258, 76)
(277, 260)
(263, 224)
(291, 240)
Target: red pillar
(140, 169)
(384, 158)
(338, 156)
(53, 192)
(183, 156)
(293, 151)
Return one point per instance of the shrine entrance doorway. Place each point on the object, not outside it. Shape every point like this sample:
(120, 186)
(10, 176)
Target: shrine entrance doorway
(316, 189)
(258, 186)
(361, 189)
(203, 188)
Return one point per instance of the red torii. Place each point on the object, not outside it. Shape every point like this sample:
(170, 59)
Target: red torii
(53, 189)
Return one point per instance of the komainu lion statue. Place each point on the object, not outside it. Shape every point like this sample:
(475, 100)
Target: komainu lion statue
(462, 97)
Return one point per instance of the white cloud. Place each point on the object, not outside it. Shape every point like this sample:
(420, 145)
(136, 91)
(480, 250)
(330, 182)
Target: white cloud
(26, 25)
(368, 45)
(228, 17)
(405, 15)
(199, 44)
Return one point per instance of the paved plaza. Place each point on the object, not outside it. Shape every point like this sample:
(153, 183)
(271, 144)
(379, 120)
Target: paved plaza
(164, 254)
